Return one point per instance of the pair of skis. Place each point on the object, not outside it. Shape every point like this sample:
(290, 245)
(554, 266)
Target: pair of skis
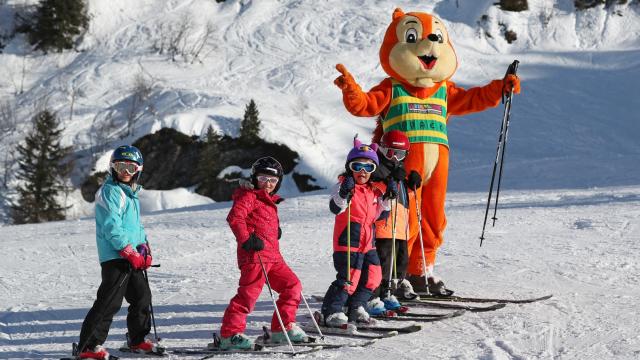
(452, 302)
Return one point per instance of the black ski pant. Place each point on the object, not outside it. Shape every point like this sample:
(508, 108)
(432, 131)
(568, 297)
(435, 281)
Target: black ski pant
(118, 282)
(384, 247)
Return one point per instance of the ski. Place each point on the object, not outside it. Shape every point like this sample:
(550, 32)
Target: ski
(444, 305)
(350, 330)
(380, 326)
(311, 342)
(417, 317)
(320, 343)
(455, 298)
(155, 354)
(434, 316)
(210, 353)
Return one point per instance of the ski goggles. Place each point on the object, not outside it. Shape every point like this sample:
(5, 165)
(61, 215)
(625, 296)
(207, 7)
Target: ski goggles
(356, 166)
(269, 179)
(129, 167)
(390, 153)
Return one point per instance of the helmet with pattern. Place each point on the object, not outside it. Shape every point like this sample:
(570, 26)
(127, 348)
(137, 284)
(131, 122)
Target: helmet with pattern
(127, 153)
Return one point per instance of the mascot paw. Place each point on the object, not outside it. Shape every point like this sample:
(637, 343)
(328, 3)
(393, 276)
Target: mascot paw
(511, 82)
(345, 82)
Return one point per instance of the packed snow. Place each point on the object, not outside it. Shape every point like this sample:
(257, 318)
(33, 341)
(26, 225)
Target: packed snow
(568, 222)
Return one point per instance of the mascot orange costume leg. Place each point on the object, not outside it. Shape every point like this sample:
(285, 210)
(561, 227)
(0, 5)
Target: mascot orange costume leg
(418, 98)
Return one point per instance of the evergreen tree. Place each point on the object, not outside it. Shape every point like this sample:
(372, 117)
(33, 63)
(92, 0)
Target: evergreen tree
(57, 23)
(42, 170)
(209, 158)
(250, 126)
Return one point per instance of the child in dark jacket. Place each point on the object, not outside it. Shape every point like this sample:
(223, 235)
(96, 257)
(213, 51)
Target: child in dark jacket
(255, 224)
(357, 204)
(393, 148)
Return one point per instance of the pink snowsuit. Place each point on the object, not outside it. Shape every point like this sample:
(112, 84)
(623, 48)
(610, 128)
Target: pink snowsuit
(255, 211)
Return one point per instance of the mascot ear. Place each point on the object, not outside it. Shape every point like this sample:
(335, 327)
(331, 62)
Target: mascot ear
(356, 143)
(374, 147)
(397, 13)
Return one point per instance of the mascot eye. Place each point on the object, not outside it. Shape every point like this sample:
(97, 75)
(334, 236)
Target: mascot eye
(411, 36)
(440, 37)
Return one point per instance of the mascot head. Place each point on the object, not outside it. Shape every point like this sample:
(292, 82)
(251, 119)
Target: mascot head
(417, 51)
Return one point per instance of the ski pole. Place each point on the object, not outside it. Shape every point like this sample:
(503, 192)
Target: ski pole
(153, 319)
(424, 260)
(392, 263)
(349, 242)
(113, 295)
(284, 330)
(513, 68)
(499, 151)
(313, 318)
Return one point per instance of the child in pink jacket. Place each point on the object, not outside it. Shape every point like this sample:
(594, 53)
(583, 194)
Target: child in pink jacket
(255, 224)
(357, 203)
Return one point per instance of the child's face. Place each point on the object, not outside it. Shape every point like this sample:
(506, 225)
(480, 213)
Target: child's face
(361, 176)
(267, 182)
(123, 173)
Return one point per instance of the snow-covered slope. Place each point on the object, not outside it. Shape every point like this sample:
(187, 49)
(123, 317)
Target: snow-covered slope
(573, 126)
(581, 246)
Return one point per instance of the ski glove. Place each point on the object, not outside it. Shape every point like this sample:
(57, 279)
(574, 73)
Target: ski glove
(348, 184)
(145, 252)
(392, 190)
(398, 173)
(133, 257)
(511, 82)
(254, 243)
(414, 181)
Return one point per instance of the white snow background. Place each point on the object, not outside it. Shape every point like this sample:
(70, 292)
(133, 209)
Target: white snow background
(569, 216)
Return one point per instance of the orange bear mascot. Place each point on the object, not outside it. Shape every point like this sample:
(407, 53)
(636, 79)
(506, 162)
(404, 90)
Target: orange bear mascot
(417, 98)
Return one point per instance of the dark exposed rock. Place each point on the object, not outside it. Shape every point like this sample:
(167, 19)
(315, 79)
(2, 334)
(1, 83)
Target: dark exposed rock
(514, 5)
(171, 160)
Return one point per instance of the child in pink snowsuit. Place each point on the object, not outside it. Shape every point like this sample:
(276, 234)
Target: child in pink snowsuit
(255, 224)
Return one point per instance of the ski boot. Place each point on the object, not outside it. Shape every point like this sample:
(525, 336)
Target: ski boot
(336, 320)
(295, 333)
(405, 291)
(97, 352)
(418, 283)
(391, 303)
(375, 307)
(361, 316)
(236, 342)
(437, 288)
(147, 347)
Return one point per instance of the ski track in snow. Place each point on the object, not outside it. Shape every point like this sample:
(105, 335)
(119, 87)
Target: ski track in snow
(585, 253)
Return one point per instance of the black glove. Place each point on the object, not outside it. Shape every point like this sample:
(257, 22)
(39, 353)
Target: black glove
(398, 173)
(392, 190)
(253, 244)
(414, 181)
(347, 186)
(279, 233)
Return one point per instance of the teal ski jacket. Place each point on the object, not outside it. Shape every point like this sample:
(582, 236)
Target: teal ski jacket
(117, 219)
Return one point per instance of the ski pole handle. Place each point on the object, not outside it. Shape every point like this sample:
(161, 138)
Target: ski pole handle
(511, 70)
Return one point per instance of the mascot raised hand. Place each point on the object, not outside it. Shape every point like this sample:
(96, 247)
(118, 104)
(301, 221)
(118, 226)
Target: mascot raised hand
(417, 98)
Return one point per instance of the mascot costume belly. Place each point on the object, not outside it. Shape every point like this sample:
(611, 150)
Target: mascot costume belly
(417, 98)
